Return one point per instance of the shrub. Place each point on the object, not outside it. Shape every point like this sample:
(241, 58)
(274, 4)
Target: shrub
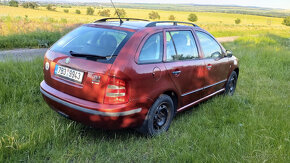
(32, 5)
(25, 5)
(50, 7)
(13, 3)
(105, 12)
(66, 10)
(121, 12)
(238, 21)
(63, 20)
(192, 17)
(78, 12)
(90, 11)
(286, 21)
(64, 6)
(171, 17)
(154, 15)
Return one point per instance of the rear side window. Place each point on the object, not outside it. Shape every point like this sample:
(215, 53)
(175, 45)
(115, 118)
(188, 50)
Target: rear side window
(210, 47)
(91, 40)
(180, 46)
(152, 50)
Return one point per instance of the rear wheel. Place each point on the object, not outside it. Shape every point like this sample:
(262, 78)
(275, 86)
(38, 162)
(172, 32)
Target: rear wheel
(231, 84)
(159, 117)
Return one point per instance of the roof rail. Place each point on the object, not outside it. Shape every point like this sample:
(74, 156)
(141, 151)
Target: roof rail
(153, 24)
(126, 19)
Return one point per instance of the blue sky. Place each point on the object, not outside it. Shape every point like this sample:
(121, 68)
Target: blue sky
(284, 4)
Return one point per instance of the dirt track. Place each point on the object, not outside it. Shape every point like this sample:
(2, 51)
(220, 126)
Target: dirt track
(21, 54)
(29, 54)
(227, 39)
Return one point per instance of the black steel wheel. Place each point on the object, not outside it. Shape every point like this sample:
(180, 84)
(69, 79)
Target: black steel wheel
(231, 84)
(159, 117)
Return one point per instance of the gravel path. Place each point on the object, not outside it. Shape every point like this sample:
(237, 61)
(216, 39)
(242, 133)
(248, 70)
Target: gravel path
(21, 54)
(227, 39)
(29, 54)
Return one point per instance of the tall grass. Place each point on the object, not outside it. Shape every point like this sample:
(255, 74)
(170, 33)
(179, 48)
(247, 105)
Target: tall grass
(30, 40)
(251, 126)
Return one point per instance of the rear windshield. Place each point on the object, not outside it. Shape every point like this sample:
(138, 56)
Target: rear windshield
(93, 41)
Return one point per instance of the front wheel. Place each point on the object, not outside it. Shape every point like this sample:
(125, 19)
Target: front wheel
(159, 117)
(231, 84)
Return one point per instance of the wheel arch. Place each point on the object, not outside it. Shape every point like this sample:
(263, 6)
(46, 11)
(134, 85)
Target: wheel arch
(173, 95)
(237, 71)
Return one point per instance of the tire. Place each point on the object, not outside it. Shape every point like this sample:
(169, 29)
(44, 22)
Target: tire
(231, 84)
(159, 117)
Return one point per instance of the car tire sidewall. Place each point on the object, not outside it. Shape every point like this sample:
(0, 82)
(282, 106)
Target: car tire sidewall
(235, 76)
(147, 127)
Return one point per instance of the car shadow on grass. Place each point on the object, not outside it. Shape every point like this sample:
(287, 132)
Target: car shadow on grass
(124, 134)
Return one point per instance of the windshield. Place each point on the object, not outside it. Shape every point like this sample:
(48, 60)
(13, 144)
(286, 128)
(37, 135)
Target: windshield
(92, 41)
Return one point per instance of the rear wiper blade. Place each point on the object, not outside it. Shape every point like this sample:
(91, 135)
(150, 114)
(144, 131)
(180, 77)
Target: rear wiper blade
(75, 54)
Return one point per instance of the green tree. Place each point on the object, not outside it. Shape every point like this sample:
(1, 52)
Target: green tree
(105, 12)
(192, 17)
(25, 5)
(90, 11)
(13, 3)
(171, 17)
(66, 10)
(238, 21)
(32, 5)
(121, 12)
(50, 7)
(286, 21)
(154, 15)
(78, 12)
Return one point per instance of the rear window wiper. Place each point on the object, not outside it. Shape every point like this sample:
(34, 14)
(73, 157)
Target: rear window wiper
(75, 54)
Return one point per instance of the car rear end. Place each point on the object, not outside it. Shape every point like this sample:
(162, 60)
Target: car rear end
(78, 83)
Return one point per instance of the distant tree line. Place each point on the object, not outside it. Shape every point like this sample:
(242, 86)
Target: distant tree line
(32, 5)
(14, 3)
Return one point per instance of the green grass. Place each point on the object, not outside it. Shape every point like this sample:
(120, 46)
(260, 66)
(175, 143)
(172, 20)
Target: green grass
(34, 39)
(251, 126)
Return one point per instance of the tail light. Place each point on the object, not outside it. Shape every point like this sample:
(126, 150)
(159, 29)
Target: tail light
(116, 91)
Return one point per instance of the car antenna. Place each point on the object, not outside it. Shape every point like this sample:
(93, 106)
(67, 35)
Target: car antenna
(121, 21)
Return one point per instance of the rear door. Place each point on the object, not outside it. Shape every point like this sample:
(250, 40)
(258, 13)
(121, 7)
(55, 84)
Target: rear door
(183, 64)
(216, 65)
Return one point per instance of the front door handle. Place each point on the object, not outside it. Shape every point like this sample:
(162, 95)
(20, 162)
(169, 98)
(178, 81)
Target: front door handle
(176, 72)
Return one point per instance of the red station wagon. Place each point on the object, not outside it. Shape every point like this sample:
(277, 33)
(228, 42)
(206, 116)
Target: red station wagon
(135, 73)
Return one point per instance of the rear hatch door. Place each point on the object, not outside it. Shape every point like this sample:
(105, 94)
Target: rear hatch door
(79, 62)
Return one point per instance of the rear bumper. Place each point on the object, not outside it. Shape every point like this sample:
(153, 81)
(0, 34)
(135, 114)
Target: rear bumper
(94, 114)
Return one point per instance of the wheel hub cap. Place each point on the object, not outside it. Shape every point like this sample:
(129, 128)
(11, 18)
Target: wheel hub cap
(160, 117)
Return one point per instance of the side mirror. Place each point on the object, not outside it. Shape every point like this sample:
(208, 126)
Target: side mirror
(216, 54)
(229, 53)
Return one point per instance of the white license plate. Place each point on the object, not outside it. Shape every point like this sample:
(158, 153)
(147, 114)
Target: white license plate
(69, 73)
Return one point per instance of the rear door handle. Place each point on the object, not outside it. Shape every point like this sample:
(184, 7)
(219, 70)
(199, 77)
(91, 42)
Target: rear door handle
(176, 72)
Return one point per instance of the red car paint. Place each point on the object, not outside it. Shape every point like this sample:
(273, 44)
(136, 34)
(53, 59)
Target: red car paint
(190, 81)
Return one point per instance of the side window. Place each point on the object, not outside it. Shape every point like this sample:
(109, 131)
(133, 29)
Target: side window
(152, 50)
(210, 47)
(180, 46)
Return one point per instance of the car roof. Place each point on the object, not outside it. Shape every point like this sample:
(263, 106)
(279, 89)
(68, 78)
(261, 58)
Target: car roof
(125, 24)
(138, 24)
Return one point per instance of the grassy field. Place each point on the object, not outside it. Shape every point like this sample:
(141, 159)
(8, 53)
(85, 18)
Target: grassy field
(15, 22)
(272, 12)
(251, 126)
